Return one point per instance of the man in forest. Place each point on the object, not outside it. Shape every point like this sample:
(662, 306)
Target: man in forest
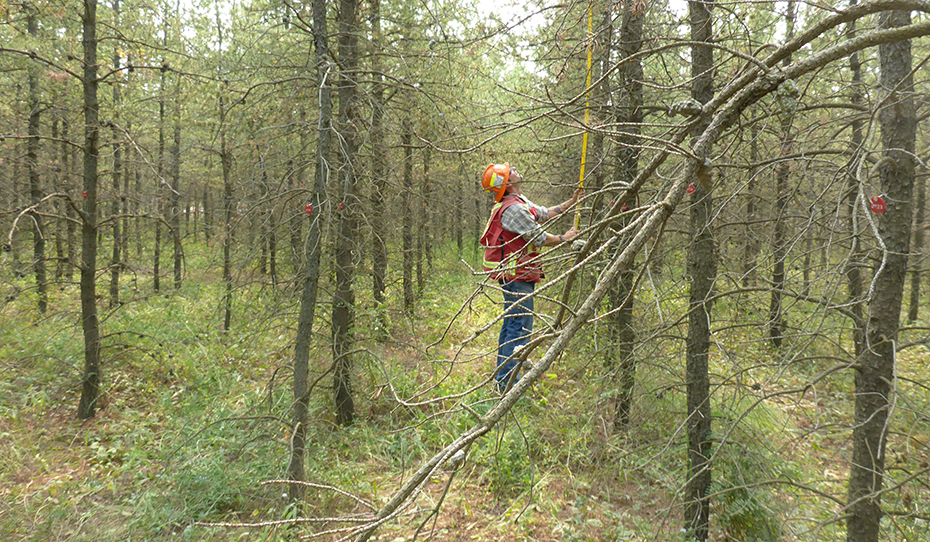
(510, 239)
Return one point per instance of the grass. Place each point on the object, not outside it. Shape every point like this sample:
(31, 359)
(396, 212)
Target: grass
(193, 421)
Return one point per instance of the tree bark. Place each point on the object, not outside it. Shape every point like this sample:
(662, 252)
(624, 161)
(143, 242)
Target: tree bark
(90, 389)
(917, 248)
(311, 267)
(228, 203)
(60, 206)
(855, 261)
(160, 173)
(32, 165)
(751, 243)
(780, 236)
(875, 373)
(621, 294)
(702, 269)
(408, 197)
(423, 228)
(379, 262)
(115, 257)
(176, 186)
(346, 236)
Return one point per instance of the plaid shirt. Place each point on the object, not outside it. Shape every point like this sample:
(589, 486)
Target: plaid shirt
(518, 219)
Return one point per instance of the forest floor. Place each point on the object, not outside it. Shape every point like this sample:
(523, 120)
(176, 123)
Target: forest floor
(192, 427)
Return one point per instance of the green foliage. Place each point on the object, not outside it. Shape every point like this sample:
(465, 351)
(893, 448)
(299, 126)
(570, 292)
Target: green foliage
(747, 471)
(509, 465)
(195, 421)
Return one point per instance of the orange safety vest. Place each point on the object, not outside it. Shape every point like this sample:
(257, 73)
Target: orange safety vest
(507, 255)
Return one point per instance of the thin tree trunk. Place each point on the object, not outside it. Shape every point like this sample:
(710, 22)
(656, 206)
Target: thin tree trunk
(15, 199)
(407, 235)
(160, 181)
(458, 217)
(226, 161)
(226, 164)
(61, 173)
(751, 244)
(702, 268)
(621, 295)
(137, 221)
(311, 267)
(70, 226)
(875, 373)
(379, 262)
(855, 262)
(780, 236)
(917, 248)
(32, 164)
(808, 253)
(127, 205)
(116, 256)
(426, 226)
(117, 171)
(421, 223)
(176, 187)
(90, 389)
(346, 236)
(207, 221)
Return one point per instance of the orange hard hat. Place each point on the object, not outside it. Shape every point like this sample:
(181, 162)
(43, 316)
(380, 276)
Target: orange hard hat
(495, 179)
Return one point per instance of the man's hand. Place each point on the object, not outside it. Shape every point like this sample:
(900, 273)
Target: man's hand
(579, 193)
(556, 240)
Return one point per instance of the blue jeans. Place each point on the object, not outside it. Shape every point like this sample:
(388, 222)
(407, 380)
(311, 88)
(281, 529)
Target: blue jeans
(515, 330)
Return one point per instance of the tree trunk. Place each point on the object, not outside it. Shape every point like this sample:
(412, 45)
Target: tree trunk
(425, 228)
(207, 221)
(407, 196)
(32, 164)
(90, 389)
(855, 261)
(128, 208)
(751, 243)
(421, 225)
(226, 161)
(67, 254)
(137, 221)
(808, 251)
(176, 186)
(379, 262)
(875, 374)
(346, 237)
(226, 164)
(273, 245)
(60, 206)
(311, 267)
(117, 171)
(160, 181)
(780, 235)
(621, 293)
(702, 269)
(917, 248)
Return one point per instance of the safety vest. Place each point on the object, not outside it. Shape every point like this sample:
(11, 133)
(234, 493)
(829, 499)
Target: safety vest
(507, 254)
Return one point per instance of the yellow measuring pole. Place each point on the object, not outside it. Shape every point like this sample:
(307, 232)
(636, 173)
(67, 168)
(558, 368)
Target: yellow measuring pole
(587, 113)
